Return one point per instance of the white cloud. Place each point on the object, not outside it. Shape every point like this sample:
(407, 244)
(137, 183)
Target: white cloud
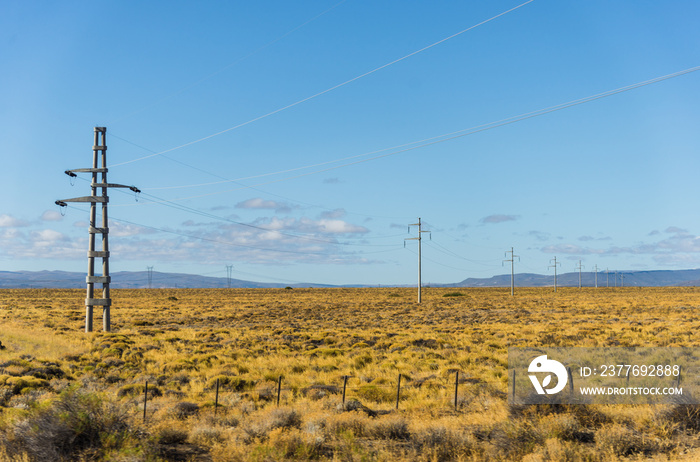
(340, 227)
(337, 213)
(498, 218)
(51, 215)
(8, 221)
(118, 229)
(283, 240)
(570, 249)
(591, 238)
(674, 229)
(540, 235)
(259, 203)
(41, 244)
(679, 248)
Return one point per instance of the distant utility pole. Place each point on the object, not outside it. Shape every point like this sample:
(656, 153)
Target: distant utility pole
(596, 275)
(229, 270)
(420, 231)
(554, 265)
(607, 278)
(616, 279)
(99, 156)
(579, 267)
(622, 279)
(150, 276)
(512, 269)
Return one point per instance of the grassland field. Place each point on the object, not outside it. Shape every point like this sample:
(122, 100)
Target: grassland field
(70, 395)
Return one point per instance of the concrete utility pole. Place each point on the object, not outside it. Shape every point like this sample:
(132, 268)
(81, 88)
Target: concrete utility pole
(554, 265)
(579, 267)
(622, 279)
(99, 155)
(512, 269)
(420, 231)
(596, 276)
(150, 276)
(607, 278)
(229, 270)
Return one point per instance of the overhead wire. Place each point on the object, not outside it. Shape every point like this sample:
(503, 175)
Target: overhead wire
(308, 98)
(243, 186)
(255, 227)
(185, 208)
(454, 135)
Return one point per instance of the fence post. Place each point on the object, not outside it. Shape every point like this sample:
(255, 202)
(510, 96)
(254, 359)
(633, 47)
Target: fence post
(398, 392)
(216, 401)
(512, 393)
(678, 382)
(345, 383)
(145, 400)
(279, 390)
(456, 387)
(571, 380)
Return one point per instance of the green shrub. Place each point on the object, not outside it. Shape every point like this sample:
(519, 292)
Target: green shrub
(23, 384)
(374, 393)
(139, 389)
(230, 383)
(77, 426)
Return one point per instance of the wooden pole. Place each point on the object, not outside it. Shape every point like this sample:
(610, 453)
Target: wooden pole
(345, 383)
(279, 390)
(216, 401)
(456, 387)
(398, 392)
(145, 400)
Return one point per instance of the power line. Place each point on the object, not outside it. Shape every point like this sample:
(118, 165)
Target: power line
(242, 186)
(184, 208)
(217, 241)
(432, 140)
(308, 98)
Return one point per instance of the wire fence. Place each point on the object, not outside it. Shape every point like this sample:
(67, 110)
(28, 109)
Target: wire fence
(448, 394)
(450, 391)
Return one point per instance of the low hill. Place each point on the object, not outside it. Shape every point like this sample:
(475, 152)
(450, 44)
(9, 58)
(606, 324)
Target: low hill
(139, 280)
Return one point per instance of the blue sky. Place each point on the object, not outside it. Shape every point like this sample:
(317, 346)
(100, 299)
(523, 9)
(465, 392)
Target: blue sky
(244, 124)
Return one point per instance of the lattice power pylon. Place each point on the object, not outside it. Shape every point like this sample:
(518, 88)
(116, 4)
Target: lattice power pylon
(99, 154)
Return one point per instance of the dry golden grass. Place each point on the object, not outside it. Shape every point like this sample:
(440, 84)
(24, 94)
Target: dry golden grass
(180, 341)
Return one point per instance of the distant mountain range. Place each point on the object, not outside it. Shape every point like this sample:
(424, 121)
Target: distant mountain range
(139, 280)
(588, 279)
(126, 280)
